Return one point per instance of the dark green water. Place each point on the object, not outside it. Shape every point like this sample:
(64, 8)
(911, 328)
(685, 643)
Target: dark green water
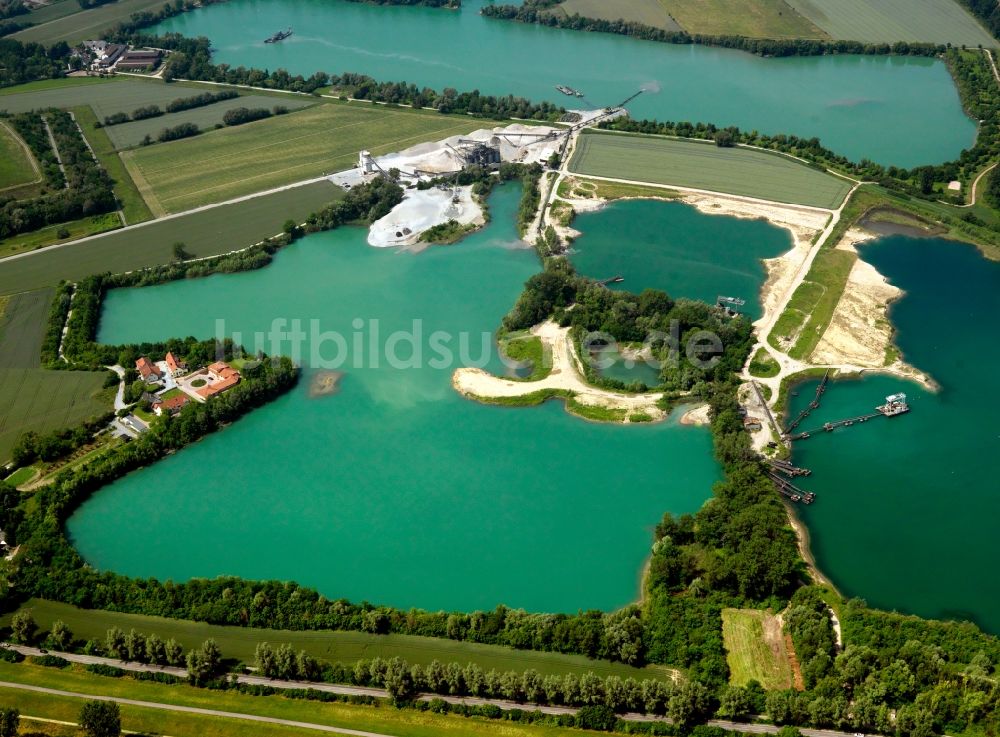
(672, 246)
(902, 111)
(394, 490)
(907, 507)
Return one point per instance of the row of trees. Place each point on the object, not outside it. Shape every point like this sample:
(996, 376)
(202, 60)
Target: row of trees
(87, 190)
(540, 12)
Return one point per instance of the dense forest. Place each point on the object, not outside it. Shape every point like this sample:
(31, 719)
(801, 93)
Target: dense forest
(26, 62)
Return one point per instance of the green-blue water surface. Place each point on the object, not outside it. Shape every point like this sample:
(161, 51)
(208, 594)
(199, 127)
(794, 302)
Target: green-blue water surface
(896, 110)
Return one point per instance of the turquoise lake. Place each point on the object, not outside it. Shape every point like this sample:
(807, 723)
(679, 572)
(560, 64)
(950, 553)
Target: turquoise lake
(674, 247)
(895, 110)
(906, 509)
(395, 490)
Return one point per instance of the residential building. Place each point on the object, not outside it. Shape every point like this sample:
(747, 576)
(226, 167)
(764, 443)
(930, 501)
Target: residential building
(148, 370)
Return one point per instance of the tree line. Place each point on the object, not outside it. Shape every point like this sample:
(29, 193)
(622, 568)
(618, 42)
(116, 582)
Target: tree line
(539, 12)
(27, 62)
(83, 190)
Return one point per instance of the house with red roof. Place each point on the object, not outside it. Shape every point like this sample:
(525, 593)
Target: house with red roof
(175, 365)
(221, 376)
(171, 406)
(148, 370)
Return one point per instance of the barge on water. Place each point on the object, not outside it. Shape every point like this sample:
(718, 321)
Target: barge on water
(279, 36)
(569, 91)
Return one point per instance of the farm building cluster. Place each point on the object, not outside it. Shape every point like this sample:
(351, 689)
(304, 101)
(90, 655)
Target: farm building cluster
(104, 56)
(178, 386)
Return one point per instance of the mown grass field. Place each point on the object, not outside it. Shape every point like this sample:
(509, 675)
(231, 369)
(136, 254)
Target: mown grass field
(936, 21)
(651, 12)
(51, 234)
(129, 135)
(382, 719)
(79, 26)
(17, 165)
(239, 643)
(256, 156)
(206, 233)
(755, 649)
(133, 206)
(752, 18)
(703, 165)
(32, 398)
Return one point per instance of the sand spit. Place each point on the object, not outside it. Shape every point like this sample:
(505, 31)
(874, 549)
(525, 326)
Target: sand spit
(421, 210)
(565, 376)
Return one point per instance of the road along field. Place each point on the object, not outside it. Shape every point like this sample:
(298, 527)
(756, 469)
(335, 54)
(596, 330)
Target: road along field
(752, 18)
(703, 165)
(756, 649)
(236, 161)
(375, 720)
(935, 21)
(128, 135)
(205, 233)
(346, 647)
(80, 26)
(649, 12)
(32, 398)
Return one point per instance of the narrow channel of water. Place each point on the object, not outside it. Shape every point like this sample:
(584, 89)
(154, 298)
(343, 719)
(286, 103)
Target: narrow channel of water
(907, 507)
(896, 110)
(395, 490)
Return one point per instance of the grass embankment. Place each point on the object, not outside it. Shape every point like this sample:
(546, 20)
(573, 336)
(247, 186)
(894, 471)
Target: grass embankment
(382, 719)
(755, 649)
(703, 165)
(80, 25)
(597, 189)
(133, 206)
(205, 233)
(32, 398)
(811, 308)
(239, 643)
(228, 163)
(61, 233)
(763, 366)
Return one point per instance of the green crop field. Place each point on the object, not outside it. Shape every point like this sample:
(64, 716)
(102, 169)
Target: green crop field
(106, 97)
(17, 165)
(206, 233)
(52, 11)
(651, 12)
(80, 26)
(32, 398)
(936, 21)
(752, 18)
(755, 649)
(240, 642)
(128, 135)
(703, 165)
(256, 156)
(380, 719)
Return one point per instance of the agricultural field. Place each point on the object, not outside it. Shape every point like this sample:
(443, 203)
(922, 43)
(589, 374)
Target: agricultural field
(703, 165)
(936, 21)
(79, 26)
(756, 649)
(239, 643)
(651, 12)
(228, 163)
(32, 398)
(751, 18)
(59, 233)
(133, 207)
(205, 233)
(129, 135)
(18, 168)
(105, 96)
(379, 719)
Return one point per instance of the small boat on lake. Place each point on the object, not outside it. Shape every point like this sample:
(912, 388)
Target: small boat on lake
(569, 91)
(279, 36)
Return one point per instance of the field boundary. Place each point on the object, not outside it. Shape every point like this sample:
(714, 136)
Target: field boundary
(30, 156)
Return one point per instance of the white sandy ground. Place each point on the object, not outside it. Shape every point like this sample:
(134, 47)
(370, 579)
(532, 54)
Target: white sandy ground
(698, 415)
(421, 210)
(565, 375)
